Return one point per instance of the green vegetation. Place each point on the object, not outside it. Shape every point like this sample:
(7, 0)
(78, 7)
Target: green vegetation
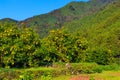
(65, 47)
(106, 75)
(21, 47)
(102, 32)
(89, 45)
(8, 20)
(15, 46)
(55, 19)
(54, 73)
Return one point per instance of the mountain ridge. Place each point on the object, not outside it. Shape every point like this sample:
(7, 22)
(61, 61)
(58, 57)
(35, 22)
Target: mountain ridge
(55, 19)
(102, 30)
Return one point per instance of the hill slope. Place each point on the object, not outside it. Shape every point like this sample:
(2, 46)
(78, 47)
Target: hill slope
(72, 11)
(102, 29)
(8, 20)
(55, 19)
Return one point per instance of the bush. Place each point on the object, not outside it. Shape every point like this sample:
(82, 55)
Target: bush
(86, 68)
(49, 73)
(111, 67)
(101, 56)
(26, 76)
(19, 47)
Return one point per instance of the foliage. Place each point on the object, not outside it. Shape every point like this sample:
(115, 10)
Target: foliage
(55, 19)
(46, 77)
(21, 47)
(8, 20)
(95, 38)
(65, 47)
(98, 54)
(52, 73)
(102, 32)
(18, 47)
(85, 68)
(26, 76)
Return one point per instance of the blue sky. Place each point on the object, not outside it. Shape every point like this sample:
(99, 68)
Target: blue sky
(22, 9)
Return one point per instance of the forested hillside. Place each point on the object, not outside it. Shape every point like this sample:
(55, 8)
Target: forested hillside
(102, 31)
(8, 20)
(72, 11)
(55, 19)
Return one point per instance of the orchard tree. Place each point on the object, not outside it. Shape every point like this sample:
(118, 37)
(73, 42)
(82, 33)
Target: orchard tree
(63, 46)
(19, 47)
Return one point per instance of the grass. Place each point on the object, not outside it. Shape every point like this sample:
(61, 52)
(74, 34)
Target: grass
(59, 72)
(62, 77)
(105, 75)
(108, 75)
(39, 69)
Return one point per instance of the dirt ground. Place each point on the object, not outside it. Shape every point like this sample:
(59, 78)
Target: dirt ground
(81, 78)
